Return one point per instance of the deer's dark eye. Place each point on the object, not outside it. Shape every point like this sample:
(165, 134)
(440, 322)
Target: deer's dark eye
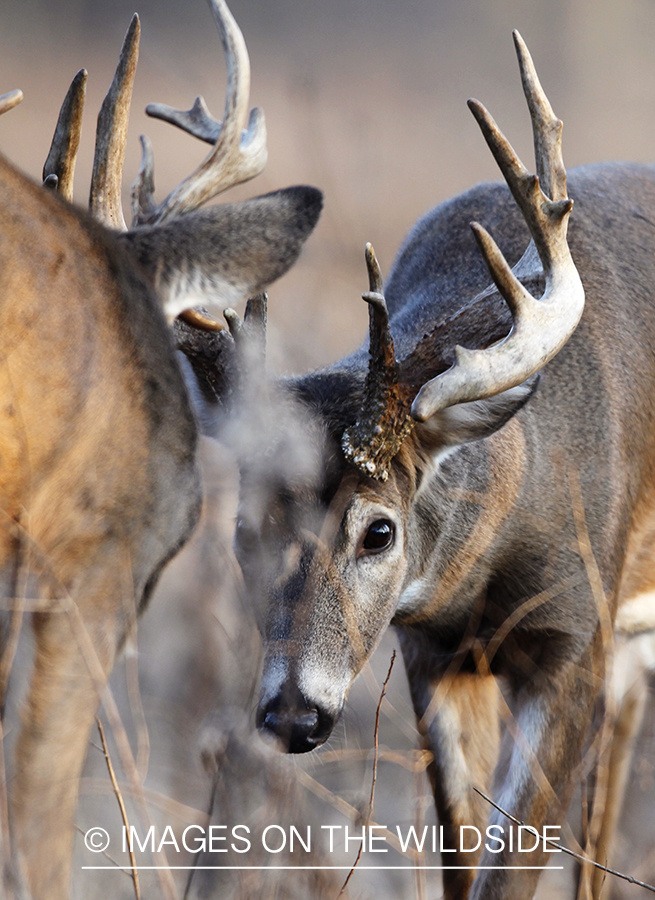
(379, 536)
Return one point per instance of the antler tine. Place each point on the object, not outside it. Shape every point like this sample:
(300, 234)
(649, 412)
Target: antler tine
(111, 135)
(62, 156)
(253, 325)
(235, 157)
(234, 323)
(526, 188)
(197, 121)
(546, 127)
(143, 188)
(382, 363)
(252, 350)
(375, 284)
(249, 338)
(8, 101)
(256, 317)
(541, 327)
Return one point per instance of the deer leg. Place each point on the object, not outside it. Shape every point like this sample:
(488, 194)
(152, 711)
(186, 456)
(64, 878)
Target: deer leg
(552, 720)
(74, 652)
(625, 730)
(633, 657)
(461, 729)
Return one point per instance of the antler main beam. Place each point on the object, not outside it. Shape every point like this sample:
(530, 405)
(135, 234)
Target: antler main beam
(541, 327)
(239, 151)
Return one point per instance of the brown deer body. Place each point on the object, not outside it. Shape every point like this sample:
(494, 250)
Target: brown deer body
(99, 485)
(496, 517)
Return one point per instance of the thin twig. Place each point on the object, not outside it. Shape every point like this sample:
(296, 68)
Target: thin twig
(5, 844)
(19, 587)
(119, 797)
(422, 800)
(407, 727)
(170, 807)
(376, 735)
(597, 838)
(409, 759)
(369, 811)
(558, 846)
(99, 679)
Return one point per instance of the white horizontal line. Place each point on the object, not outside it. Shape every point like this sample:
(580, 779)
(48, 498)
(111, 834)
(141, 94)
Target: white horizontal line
(319, 868)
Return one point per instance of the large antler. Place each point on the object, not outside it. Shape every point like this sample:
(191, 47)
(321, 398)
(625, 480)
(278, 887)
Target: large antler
(237, 154)
(539, 330)
(541, 327)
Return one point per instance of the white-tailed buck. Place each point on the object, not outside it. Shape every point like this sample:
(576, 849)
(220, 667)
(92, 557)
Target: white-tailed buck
(99, 484)
(483, 481)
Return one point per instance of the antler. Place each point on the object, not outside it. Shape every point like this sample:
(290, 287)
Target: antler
(237, 155)
(541, 327)
(111, 135)
(375, 438)
(249, 335)
(59, 168)
(8, 101)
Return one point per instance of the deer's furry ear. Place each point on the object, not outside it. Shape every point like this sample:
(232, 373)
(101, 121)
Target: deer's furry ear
(219, 256)
(466, 422)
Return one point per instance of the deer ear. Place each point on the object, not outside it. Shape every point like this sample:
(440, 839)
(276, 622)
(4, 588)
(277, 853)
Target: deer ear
(466, 422)
(218, 256)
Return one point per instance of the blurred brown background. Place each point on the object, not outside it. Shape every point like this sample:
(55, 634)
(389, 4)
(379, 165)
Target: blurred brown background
(366, 100)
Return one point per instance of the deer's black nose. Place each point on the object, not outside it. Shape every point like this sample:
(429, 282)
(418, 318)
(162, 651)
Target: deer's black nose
(299, 724)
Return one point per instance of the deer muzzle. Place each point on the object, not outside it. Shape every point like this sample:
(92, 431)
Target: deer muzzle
(298, 723)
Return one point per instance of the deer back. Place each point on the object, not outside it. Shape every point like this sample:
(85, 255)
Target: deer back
(96, 421)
